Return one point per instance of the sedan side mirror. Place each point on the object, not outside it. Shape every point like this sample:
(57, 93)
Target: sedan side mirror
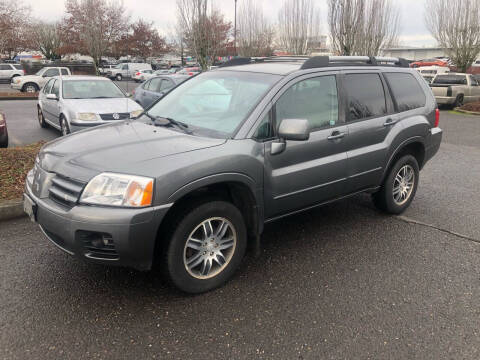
(294, 129)
(52, 97)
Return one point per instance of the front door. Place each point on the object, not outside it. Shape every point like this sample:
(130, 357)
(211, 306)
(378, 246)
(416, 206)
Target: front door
(308, 172)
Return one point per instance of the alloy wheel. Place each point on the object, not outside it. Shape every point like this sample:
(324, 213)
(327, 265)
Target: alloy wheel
(403, 184)
(209, 248)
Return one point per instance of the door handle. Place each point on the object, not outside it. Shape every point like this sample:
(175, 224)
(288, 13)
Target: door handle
(336, 135)
(390, 122)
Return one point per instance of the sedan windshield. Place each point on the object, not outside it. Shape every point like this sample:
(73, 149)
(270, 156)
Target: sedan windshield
(215, 103)
(91, 89)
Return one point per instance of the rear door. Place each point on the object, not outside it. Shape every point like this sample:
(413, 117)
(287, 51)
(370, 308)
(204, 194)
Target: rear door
(306, 172)
(370, 118)
(474, 88)
(151, 92)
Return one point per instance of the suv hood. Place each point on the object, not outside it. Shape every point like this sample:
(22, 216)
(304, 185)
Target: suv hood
(119, 147)
(30, 78)
(102, 106)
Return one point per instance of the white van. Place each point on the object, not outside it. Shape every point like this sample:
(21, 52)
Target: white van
(126, 70)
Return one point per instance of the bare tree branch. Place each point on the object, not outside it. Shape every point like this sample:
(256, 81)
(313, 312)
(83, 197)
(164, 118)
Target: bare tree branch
(455, 24)
(298, 25)
(362, 27)
(254, 34)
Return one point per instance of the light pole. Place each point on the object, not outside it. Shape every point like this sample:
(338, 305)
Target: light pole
(235, 31)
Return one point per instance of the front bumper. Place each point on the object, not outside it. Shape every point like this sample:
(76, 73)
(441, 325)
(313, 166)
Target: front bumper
(16, 86)
(433, 143)
(132, 232)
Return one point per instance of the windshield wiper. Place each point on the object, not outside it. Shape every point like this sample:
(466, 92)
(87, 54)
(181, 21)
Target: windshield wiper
(165, 121)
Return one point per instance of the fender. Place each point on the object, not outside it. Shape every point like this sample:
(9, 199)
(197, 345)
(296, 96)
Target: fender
(398, 149)
(244, 179)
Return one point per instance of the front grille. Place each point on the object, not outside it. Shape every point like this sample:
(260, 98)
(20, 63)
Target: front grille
(120, 116)
(98, 245)
(65, 191)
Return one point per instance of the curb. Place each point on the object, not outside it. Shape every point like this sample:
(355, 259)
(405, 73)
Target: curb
(11, 209)
(466, 112)
(19, 98)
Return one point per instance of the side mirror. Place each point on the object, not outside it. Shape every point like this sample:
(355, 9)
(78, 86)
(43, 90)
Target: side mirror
(52, 97)
(294, 129)
(128, 94)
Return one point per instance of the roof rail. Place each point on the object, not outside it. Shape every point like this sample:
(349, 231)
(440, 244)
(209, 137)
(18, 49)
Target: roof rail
(323, 61)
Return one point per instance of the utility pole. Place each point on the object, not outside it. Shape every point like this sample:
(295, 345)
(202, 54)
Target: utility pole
(235, 34)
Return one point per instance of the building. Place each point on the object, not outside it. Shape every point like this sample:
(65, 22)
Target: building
(414, 53)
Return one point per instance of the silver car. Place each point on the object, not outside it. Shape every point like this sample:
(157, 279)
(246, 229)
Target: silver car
(72, 103)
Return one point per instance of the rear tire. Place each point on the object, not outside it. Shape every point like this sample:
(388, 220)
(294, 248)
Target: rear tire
(200, 257)
(458, 101)
(399, 187)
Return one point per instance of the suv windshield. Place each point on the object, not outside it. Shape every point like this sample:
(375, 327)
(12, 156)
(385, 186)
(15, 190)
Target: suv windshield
(215, 103)
(90, 89)
(450, 79)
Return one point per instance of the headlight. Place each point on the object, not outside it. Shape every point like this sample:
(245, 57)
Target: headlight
(118, 190)
(87, 116)
(135, 113)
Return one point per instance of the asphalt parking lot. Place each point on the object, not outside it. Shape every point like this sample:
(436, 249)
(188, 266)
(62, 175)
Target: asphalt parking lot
(343, 281)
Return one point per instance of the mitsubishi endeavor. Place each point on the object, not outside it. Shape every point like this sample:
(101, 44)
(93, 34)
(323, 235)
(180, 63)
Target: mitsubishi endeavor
(193, 179)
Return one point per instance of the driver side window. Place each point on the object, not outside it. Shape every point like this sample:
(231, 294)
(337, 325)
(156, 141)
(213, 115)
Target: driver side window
(313, 99)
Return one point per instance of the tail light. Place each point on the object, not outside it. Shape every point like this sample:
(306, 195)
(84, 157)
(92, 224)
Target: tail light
(190, 73)
(138, 73)
(2, 120)
(24, 73)
(437, 117)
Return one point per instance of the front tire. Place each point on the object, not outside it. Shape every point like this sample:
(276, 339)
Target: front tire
(400, 186)
(207, 245)
(30, 88)
(119, 77)
(64, 127)
(41, 118)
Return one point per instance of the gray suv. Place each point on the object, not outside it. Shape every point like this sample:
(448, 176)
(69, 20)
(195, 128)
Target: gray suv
(191, 182)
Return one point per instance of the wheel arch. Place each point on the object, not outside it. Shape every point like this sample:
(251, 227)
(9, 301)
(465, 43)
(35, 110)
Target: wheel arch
(414, 146)
(238, 189)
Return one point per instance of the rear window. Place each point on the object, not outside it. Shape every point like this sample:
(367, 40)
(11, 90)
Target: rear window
(451, 79)
(366, 96)
(406, 91)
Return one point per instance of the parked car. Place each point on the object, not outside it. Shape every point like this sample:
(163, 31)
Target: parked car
(11, 71)
(72, 103)
(455, 89)
(105, 68)
(127, 70)
(432, 70)
(33, 83)
(3, 131)
(190, 71)
(189, 189)
(429, 62)
(155, 88)
(161, 72)
(140, 76)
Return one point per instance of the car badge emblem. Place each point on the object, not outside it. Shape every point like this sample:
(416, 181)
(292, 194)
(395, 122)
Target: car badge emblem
(116, 116)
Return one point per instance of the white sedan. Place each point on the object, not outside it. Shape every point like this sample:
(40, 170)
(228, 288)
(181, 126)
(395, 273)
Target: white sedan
(72, 103)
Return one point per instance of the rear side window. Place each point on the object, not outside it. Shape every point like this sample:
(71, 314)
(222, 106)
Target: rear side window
(64, 72)
(18, 67)
(450, 79)
(406, 91)
(366, 96)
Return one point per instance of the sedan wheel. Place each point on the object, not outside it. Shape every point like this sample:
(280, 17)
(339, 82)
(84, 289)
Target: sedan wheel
(30, 88)
(64, 128)
(41, 119)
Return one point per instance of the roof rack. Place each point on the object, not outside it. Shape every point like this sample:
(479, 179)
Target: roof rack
(324, 61)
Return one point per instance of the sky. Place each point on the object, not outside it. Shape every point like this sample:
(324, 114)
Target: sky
(162, 12)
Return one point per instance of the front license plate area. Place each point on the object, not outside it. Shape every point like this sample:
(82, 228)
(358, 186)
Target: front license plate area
(30, 208)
